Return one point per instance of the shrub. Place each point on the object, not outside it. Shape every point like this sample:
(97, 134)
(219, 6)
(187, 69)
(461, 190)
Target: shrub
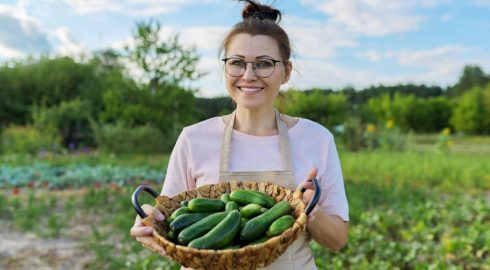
(119, 139)
(27, 140)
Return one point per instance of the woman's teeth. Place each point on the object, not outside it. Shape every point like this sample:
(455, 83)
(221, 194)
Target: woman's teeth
(247, 89)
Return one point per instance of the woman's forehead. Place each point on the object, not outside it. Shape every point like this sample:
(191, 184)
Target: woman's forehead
(253, 46)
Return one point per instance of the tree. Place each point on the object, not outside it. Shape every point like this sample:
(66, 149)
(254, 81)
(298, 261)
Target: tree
(472, 77)
(162, 62)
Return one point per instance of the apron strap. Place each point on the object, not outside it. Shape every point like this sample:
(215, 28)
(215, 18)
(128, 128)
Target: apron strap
(284, 145)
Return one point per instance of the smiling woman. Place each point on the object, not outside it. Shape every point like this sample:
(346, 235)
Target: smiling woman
(257, 143)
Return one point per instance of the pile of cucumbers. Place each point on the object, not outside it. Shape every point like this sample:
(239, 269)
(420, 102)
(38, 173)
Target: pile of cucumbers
(236, 219)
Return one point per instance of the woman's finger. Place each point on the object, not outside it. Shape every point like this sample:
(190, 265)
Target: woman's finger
(141, 231)
(150, 243)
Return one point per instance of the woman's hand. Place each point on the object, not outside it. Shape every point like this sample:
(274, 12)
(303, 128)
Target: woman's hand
(328, 230)
(310, 187)
(143, 233)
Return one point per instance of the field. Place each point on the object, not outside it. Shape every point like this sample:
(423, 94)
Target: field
(415, 209)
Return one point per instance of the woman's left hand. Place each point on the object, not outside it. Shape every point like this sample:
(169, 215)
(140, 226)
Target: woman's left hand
(308, 184)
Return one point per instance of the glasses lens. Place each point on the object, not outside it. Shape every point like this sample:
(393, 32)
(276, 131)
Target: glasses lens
(264, 67)
(235, 67)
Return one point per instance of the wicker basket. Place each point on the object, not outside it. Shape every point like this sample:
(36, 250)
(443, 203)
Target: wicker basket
(248, 257)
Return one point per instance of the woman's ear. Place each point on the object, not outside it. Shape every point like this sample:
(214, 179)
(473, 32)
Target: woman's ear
(288, 69)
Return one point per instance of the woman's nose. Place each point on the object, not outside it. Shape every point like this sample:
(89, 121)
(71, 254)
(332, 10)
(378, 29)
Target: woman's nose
(249, 73)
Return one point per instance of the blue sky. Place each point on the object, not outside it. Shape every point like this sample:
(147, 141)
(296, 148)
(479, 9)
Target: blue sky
(337, 43)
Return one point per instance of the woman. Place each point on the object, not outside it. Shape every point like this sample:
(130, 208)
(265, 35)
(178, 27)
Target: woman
(257, 143)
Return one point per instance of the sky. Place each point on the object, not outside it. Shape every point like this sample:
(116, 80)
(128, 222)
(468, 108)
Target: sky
(336, 43)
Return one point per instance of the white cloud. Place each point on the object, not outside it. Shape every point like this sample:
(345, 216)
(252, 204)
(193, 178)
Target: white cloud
(316, 39)
(21, 34)
(372, 17)
(131, 7)
(68, 45)
(6, 52)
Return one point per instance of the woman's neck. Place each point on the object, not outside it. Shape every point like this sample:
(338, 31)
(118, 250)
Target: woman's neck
(259, 122)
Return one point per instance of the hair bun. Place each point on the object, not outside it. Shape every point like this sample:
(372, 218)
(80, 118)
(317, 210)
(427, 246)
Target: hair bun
(255, 10)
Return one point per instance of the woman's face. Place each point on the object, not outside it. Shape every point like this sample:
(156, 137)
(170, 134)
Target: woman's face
(249, 90)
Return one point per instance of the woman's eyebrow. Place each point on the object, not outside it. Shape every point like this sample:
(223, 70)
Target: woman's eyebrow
(258, 57)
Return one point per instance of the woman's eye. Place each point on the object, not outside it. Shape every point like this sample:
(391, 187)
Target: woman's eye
(239, 63)
(264, 64)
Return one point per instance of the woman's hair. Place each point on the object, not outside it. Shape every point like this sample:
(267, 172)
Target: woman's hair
(260, 19)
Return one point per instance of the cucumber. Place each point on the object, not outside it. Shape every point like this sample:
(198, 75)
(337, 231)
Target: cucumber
(200, 228)
(171, 236)
(280, 225)
(252, 210)
(184, 203)
(225, 197)
(203, 205)
(178, 212)
(185, 220)
(242, 222)
(261, 193)
(221, 235)
(230, 206)
(242, 196)
(257, 226)
(258, 241)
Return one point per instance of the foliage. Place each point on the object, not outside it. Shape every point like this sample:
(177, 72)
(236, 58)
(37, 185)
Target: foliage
(411, 113)
(40, 175)
(168, 111)
(329, 110)
(68, 120)
(472, 111)
(162, 62)
(412, 229)
(48, 81)
(27, 139)
(472, 76)
(123, 139)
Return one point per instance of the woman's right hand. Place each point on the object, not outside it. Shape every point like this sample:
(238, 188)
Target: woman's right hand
(143, 233)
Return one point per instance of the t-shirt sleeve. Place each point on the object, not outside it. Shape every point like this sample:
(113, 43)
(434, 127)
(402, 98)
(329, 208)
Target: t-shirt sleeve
(333, 199)
(179, 171)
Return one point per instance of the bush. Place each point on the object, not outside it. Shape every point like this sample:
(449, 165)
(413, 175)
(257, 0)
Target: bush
(27, 140)
(120, 139)
(472, 112)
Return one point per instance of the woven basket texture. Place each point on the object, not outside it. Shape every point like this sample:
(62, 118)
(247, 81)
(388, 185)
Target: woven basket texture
(247, 257)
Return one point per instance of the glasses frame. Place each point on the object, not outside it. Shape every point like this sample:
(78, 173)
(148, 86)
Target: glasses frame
(253, 66)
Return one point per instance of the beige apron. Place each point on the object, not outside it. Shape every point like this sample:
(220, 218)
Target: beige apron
(299, 255)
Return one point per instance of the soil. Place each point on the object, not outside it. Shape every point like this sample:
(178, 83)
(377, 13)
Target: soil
(23, 251)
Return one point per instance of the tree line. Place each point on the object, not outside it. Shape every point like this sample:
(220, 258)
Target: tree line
(61, 102)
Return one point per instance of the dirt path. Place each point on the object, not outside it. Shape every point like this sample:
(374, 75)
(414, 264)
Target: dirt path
(23, 251)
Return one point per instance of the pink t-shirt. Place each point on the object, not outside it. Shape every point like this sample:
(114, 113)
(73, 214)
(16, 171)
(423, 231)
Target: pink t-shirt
(195, 159)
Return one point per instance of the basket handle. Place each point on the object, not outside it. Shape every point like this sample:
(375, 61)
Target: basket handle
(134, 199)
(316, 196)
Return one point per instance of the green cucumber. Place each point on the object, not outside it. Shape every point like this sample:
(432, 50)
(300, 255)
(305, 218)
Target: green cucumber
(280, 225)
(179, 211)
(221, 235)
(243, 221)
(185, 220)
(230, 206)
(184, 203)
(252, 210)
(243, 197)
(225, 197)
(200, 228)
(257, 226)
(203, 205)
(258, 241)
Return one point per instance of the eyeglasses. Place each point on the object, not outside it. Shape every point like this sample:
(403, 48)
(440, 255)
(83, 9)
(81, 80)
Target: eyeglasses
(263, 67)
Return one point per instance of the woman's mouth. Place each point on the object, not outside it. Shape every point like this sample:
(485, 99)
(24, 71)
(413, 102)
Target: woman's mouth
(248, 89)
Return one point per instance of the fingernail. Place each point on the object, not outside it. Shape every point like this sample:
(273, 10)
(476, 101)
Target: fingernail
(160, 217)
(148, 230)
